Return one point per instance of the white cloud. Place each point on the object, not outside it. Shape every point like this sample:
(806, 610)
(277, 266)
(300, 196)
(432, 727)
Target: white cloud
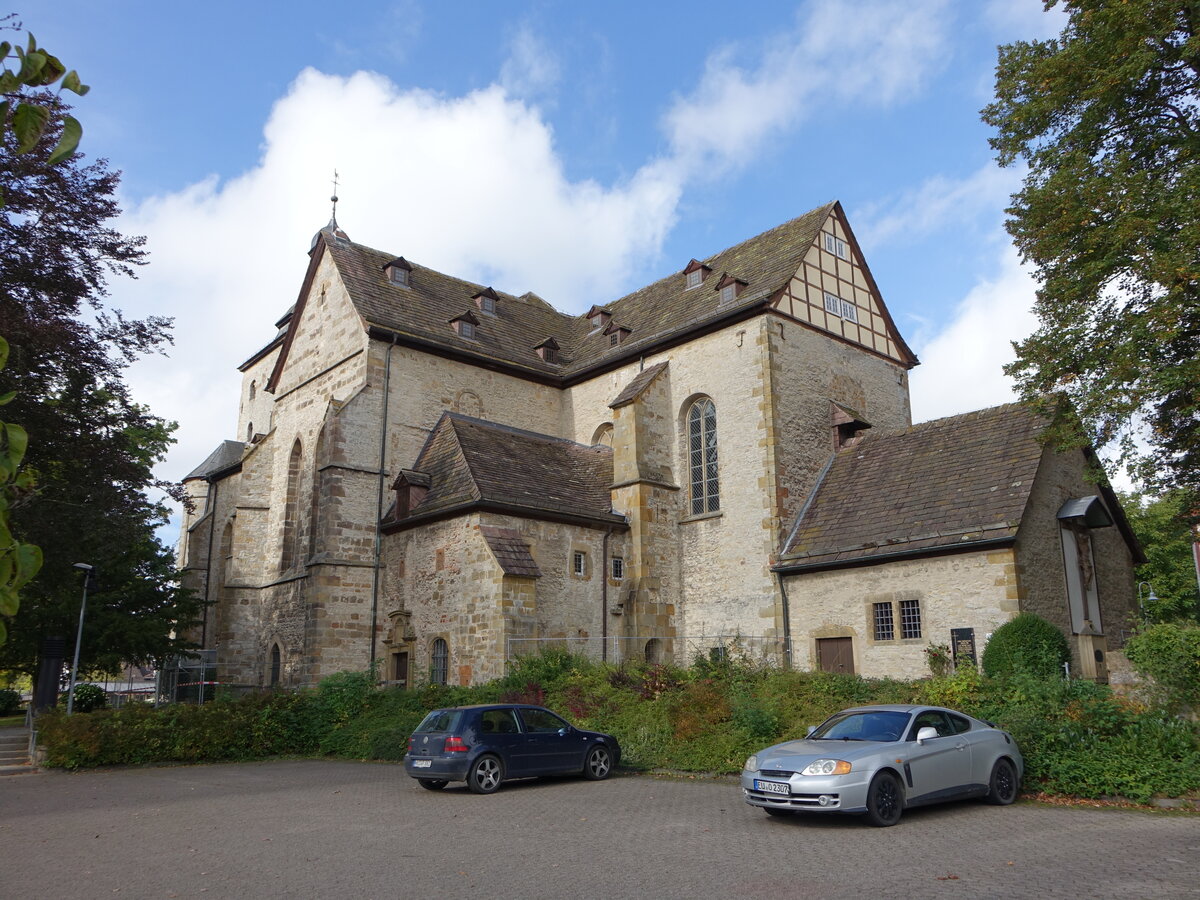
(531, 70)
(869, 53)
(938, 203)
(962, 366)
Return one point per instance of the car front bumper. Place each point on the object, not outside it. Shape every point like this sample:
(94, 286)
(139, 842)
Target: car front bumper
(810, 793)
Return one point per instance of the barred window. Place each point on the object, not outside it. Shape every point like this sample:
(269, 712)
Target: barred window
(885, 628)
(439, 662)
(618, 568)
(579, 563)
(702, 457)
(910, 618)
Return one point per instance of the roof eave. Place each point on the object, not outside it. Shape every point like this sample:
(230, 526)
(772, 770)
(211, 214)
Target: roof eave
(614, 521)
(786, 568)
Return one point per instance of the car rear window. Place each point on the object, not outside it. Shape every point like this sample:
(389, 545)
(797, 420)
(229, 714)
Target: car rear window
(439, 721)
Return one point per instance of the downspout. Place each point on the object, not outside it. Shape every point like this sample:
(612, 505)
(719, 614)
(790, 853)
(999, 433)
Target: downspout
(787, 622)
(604, 597)
(214, 488)
(387, 381)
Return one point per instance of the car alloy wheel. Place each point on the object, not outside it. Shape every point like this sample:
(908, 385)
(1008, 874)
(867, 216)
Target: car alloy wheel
(885, 802)
(598, 765)
(485, 775)
(1002, 788)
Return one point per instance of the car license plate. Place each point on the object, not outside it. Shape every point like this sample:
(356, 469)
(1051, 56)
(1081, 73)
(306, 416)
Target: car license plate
(772, 787)
(422, 763)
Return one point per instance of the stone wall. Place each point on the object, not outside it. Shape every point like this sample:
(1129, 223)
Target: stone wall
(960, 590)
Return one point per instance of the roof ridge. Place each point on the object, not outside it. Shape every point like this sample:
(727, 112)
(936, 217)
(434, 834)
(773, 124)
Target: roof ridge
(946, 421)
(827, 208)
(512, 429)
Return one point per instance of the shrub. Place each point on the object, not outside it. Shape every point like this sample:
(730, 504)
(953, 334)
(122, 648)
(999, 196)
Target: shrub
(1169, 654)
(1026, 644)
(88, 698)
(10, 702)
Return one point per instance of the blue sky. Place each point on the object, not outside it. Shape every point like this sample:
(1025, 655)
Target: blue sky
(575, 150)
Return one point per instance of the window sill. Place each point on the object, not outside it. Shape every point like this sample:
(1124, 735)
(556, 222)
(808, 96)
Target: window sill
(700, 517)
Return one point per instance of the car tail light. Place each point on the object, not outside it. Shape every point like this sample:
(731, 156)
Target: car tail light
(454, 744)
(410, 744)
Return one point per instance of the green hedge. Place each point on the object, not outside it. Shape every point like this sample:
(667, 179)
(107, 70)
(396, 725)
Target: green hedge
(1078, 739)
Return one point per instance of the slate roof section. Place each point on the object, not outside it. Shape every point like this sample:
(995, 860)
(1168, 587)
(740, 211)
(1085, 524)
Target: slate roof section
(473, 464)
(640, 382)
(947, 484)
(225, 459)
(511, 551)
(653, 315)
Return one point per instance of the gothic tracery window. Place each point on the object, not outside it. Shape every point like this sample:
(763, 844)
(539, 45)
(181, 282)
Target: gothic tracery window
(702, 457)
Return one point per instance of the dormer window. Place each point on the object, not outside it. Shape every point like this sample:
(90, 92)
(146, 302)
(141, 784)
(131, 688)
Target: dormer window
(411, 488)
(598, 317)
(729, 288)
(548, 351)
(465, 325)
(399, 272)
(616, 334)
(486, 300)
(694, 273)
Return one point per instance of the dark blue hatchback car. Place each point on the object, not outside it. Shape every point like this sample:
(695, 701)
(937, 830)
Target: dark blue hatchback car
(487, 744)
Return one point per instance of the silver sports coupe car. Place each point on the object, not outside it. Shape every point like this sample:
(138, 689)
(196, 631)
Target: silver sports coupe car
(878, 760)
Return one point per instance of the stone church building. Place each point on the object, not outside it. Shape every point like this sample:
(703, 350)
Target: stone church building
(434, 476)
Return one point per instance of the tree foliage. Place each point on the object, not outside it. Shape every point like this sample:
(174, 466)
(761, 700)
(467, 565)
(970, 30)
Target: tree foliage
(1162, 526)
(27, 118)
(1107, 117)
(93, 448)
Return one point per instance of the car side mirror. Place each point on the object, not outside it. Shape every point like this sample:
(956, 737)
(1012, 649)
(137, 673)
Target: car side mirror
(563, 732)
(926, 733)
(811, 729)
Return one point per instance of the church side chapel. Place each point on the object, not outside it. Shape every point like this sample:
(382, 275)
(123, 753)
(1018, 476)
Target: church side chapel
(433, 477)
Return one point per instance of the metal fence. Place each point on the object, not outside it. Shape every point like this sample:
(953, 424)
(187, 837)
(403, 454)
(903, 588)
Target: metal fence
(679, 649)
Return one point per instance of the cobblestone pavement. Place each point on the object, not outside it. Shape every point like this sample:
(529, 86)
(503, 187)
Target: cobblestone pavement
(309, 828)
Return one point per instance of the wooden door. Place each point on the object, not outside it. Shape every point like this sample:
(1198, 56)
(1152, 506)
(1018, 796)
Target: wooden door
(835, 654)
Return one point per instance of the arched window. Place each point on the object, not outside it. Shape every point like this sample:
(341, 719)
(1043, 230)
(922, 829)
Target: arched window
(291, 525)
(702, 457)
(603, 435)
(439, 662)
(276, 665)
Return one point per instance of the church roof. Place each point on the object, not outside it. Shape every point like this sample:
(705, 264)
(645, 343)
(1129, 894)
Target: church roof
(948, 484)
(476, 464)
(226, 458)
(657, 314)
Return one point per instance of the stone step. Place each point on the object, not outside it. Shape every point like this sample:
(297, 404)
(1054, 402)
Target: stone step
(26, 769)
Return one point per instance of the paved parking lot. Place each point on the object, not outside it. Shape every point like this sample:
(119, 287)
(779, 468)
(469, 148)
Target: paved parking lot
(310, 828)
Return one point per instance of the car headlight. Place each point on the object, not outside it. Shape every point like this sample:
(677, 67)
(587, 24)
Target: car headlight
(751, 764)
(827, 767)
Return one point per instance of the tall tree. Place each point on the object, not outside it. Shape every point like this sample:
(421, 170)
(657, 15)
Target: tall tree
(27, 118)
(92, 448)
(1107, 117)
(1163, 528)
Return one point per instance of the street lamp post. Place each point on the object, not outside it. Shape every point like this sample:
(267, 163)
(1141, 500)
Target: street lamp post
(1142, 600)
(87, 578)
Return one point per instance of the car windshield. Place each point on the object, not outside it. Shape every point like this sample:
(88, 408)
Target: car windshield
(862, 725)
(439, 721)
